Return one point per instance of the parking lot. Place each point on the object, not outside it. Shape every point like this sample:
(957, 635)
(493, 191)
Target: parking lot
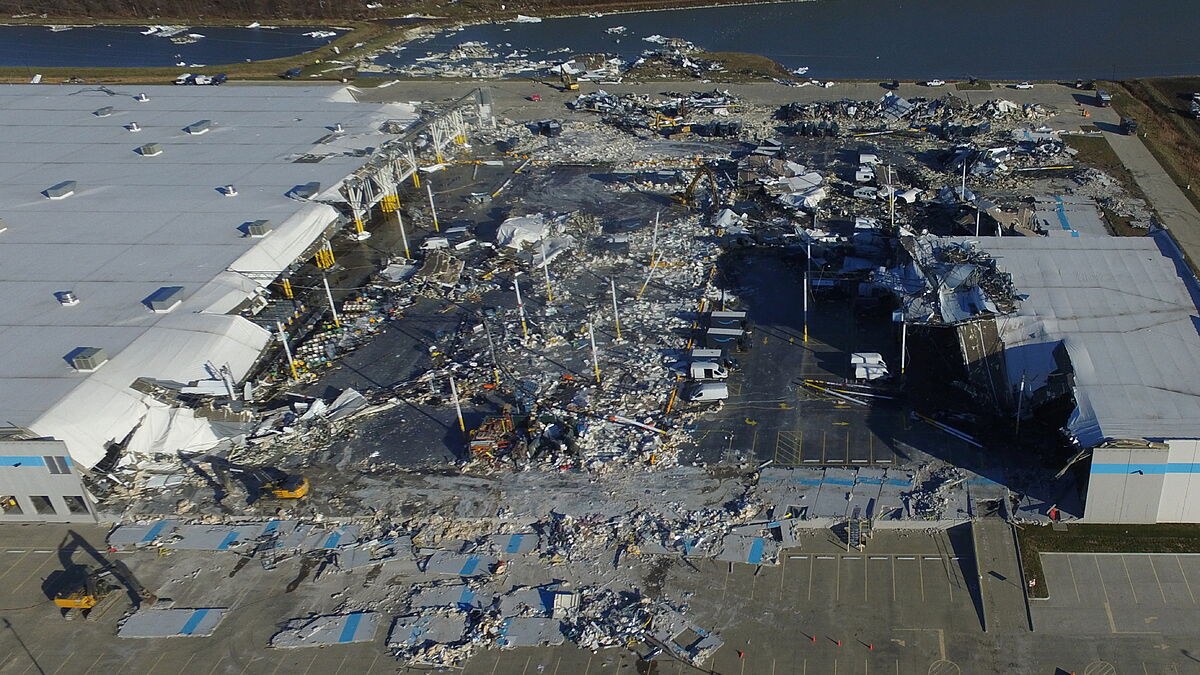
(1120, 593)
(903, 605)
(770, 414)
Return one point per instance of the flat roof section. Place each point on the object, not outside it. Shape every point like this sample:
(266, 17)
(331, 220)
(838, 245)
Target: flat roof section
(86, 212)
(1125, 310)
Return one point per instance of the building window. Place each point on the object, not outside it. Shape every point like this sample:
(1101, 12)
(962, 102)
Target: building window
(42, 505)
(75, 504)
(56, 464)
(10, 507)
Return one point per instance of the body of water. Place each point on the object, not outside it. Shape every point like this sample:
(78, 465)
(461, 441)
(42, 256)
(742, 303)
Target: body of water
(126, 46)
(907, 39)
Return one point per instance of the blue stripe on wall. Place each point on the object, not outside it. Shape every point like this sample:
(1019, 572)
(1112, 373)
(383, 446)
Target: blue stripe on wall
(1147, 469)
(16, 460)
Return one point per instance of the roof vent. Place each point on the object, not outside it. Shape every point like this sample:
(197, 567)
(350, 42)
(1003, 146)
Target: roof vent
(165, 299)
(150, 150)
(228, 190)
(104, 112)
(257, 228)
(337, 128)
(61, 191)
(141, 98)
(133, 126)
(67, 298)
(87, 359)
(306, 191)
(198, 128)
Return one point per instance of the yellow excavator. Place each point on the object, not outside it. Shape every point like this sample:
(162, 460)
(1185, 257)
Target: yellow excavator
(273, 482)
(95, 588)
(569, 83)
(688, 196)
(97, 593)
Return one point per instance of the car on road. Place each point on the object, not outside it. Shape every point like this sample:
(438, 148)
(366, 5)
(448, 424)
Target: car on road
(1022, 85)
(934, 83)
(1129, 126)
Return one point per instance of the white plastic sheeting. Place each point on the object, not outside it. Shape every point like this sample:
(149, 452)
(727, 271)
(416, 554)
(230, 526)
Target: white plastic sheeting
(170, 430)
(520, 230)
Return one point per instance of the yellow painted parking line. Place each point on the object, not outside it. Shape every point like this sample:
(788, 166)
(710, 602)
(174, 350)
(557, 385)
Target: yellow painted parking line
(789, 447)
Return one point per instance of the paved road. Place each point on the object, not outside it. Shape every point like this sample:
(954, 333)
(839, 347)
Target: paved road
(1000, 577)
(1176, 211)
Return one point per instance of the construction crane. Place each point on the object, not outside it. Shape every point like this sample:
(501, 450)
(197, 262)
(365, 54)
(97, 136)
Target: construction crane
(688, 196)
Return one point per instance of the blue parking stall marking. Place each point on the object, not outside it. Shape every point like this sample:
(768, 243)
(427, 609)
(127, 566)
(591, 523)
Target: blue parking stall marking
(351, 627)
(155, 531)
(469, 566)
(193, 622)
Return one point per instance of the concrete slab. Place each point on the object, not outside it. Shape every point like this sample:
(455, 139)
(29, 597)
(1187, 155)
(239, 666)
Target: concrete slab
(326, 630)
(141, 534)
(155, 623)
(515, 544)
(529, 631)
(461, 564)
(457, 596)
(418, 630)
(749, 549)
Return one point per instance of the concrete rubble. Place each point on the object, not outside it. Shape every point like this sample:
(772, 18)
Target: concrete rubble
(557, 327)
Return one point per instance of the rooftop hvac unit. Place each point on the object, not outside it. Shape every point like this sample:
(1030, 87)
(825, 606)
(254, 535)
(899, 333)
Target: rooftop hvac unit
(150, 150)
(87, 359)
(165, 299)
(104, 112)
(197, 128)
(133, 126)
(60, 191)
(228, 190)
(67, 298)
(258, 228)
(306, 191)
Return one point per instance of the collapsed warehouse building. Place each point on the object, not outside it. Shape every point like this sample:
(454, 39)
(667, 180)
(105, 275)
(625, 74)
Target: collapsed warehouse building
(141, 232)
(1107, 324)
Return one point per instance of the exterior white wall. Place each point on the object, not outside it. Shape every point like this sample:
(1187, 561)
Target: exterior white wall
(1126, 485)
(25, 474)
(1180, 501)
